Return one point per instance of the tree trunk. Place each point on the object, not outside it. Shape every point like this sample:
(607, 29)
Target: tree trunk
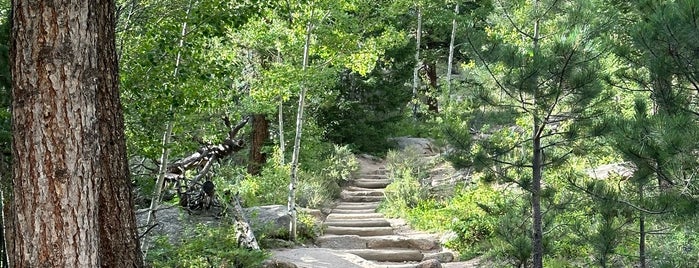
(72, 195)
(416, 70)
(282, 142)
(160, 181)
(537, 232)
(641, 231)
(450, 63)
(297, 142)
(258, 137)
(119, 245)
(537, 164)
(430, 99)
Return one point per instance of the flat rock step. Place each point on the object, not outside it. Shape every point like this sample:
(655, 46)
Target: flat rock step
(373, 184)
(362, 198)
(359, 223)
(353, 188)
(376, 242)
(360, 231)
(333, 216)
(368, 192)
(390, 255)
(373, 177)
(358, 205)
(350, 211)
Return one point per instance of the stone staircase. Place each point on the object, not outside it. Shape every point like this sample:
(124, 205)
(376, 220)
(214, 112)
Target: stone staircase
(355, 227)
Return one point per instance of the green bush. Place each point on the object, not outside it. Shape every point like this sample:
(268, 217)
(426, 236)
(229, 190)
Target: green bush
(208, 247)
(320, 186)
(406, 191)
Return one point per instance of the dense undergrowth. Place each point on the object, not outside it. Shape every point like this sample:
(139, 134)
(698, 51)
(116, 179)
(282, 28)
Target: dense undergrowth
(494, 221)
(206, 247)
(319, 184)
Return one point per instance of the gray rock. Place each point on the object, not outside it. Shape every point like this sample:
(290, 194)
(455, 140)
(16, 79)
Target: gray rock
(429, 264)
(440, 256)
(422, 145)
(341, 242)
(272, 218)
(276, 263)
(174, 222)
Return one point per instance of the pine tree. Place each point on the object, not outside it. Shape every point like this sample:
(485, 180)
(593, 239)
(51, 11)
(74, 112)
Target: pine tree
(538, 68)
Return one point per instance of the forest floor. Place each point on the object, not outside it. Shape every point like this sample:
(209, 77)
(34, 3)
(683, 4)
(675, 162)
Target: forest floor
(357, 236)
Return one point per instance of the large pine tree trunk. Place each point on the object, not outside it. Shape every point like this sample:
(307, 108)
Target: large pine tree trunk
(258, 137)
(72, 196)
(119, 245)
(431, 73)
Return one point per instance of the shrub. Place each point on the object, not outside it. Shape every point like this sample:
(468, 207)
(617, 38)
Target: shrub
(322, 185)
(208, 247)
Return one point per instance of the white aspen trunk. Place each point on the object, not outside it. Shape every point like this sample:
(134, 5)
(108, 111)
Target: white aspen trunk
(282, 143)
(297, 142)
(416, 75)
(157, 190)
(451, 52)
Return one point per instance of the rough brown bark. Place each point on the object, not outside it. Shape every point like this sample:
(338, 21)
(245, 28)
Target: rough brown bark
(72, 199)
(119, 244)
(431, 73)
(258, 137)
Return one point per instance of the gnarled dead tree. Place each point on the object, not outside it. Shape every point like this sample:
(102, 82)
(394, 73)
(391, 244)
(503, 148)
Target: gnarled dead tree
(198, 193)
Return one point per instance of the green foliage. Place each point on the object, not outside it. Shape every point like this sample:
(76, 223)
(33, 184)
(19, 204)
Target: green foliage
(320, 186)
(475, 215)
(5, 86)
(406, 191)
(319, 182)
(208, 247)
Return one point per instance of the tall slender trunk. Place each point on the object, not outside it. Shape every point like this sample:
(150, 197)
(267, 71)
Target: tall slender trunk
(641, 231)
(297, 141)
(416, 70)
(282, 142)
(160, 181)
(537, 232)
(450, 64)
(537, 165)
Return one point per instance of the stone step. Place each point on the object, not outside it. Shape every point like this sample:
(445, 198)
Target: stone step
(360, 231)
(352, 188)
(339, 216)
(358, 223)
(362, 193)
(398, 241)
(375, 242)
(341, 241)
(374, 177)
(372, 184)
(351, 211)
(352, 198)
(390, 255)
(357, 205)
